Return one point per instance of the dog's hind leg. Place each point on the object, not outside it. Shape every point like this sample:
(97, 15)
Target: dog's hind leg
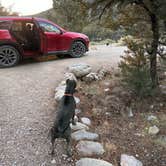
(69, 152)
(67, 136)
(53, 137)
(52, 147)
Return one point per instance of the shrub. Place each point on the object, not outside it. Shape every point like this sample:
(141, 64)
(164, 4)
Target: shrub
(135, 68)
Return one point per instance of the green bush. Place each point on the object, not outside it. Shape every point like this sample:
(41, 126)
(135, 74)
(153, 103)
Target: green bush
(135, 68)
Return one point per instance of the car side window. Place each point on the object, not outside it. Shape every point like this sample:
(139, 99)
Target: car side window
(17, 26)
(5, 24)
(47, 27)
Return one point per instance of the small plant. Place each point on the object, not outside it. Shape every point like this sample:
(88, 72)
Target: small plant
(135, 68)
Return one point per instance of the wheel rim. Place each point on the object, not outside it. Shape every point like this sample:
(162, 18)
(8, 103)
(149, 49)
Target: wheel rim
(78, 49)
(8, 56)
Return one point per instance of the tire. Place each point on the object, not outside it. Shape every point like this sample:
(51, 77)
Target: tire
(9, 56)
(78, 49)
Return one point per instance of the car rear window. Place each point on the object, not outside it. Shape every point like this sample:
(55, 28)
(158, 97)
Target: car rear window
(5, 25)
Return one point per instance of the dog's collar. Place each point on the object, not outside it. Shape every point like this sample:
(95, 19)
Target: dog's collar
(68, 94)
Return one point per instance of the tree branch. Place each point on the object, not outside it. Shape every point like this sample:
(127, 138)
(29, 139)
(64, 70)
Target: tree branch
(108, 5)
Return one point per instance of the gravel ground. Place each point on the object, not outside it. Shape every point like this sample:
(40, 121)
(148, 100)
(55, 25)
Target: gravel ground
(27, 107)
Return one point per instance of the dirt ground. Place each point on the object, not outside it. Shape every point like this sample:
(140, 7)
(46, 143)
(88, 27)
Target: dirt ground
(106, 103)
(27, 106)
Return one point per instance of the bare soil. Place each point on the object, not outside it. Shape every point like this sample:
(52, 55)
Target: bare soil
(119, 133)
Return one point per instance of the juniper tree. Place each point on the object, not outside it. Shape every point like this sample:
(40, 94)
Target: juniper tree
(156, 13)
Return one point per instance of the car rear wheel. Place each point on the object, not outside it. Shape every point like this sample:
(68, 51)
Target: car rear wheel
(9, 56)
(78, 49)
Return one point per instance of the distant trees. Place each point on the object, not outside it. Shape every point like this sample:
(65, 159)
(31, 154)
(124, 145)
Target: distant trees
(150, 13)
(73, 14)
(6, 12)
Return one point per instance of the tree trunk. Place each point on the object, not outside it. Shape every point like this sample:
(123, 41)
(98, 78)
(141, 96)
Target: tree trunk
(154, 46)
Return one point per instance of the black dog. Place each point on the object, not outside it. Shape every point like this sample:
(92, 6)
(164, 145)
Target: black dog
(66, 113)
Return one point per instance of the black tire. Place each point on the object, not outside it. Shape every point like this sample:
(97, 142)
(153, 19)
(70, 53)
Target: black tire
(78, 49)
(9, 56)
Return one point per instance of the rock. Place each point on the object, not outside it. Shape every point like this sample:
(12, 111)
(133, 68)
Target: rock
(60, 90)
(77, 111)
(130, 113)
(70, 76)
(86, 121)
(163, 89)
(91, 77)
(152, 106)
(80, 70)
(59, 94)
(106, 90)
(108, 114)
(53, 161)
(102, 73)
(153, 130)
(107, 84)
(77, 100)
(82, 134)
(89, 148)
(75, 118)
(116, 90)
(92, 162)
(129, 161)
(161, 140)
(79, 126)
(151, 118)
(96, 111)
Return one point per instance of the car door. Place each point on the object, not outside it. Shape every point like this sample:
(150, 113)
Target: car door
(54, 40)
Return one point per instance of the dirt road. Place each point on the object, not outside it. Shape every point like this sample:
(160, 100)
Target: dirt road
(27, 107)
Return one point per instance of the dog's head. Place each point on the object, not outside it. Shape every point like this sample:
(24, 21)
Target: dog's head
(70, 86)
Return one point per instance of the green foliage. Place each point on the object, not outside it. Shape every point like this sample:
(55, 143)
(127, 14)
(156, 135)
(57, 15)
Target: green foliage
(97, 33)
(102, 42)
(135, 69)
(73, 14)
(152, 14)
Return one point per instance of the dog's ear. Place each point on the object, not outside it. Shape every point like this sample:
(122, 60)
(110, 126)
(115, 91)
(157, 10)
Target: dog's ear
(67, 81)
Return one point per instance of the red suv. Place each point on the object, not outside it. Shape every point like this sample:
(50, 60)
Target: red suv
(22, 37)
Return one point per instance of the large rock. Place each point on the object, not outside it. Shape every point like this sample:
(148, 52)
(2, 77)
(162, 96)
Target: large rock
(163, 89)
(152, 118)
(79, 126)
(89, 148)
(153, 130)
(77, 111)
(129, 161)
(92, 162)
(82, 134)
(60, 90)
(86, 121)
(91, 77)
(80, 70)
(77, 100)
(70, 76)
